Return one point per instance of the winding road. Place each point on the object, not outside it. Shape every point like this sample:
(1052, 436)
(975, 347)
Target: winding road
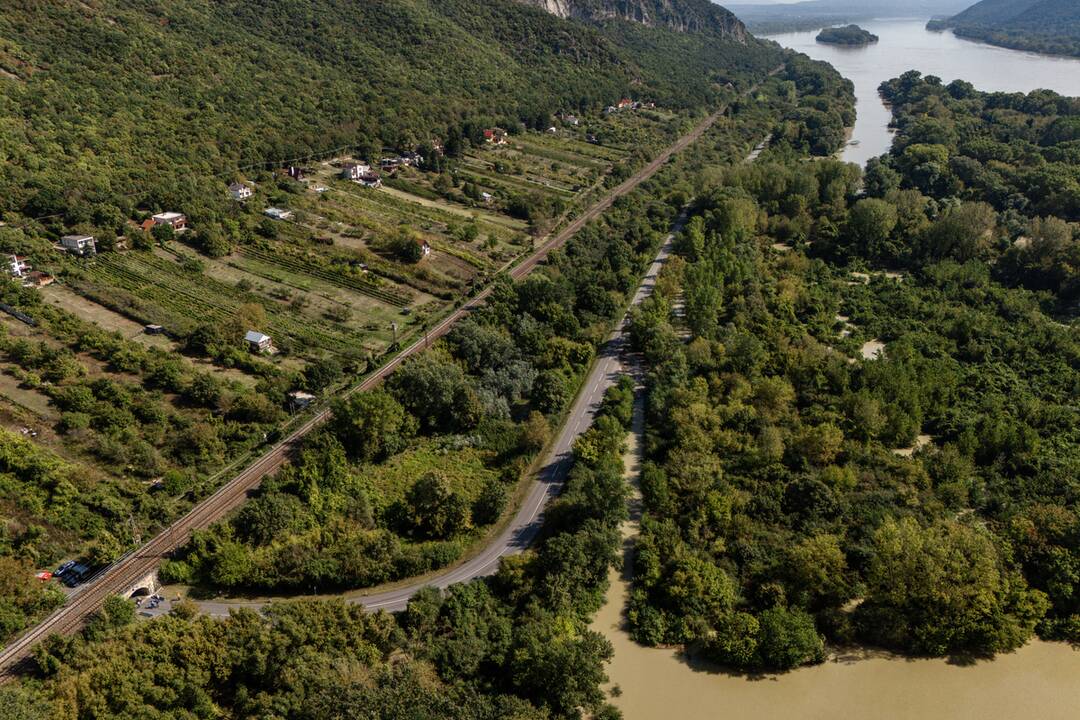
(128, 569)
(548, 483)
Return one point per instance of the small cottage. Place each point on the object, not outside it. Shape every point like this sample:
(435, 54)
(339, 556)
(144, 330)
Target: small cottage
(355, 171)
(240, 191)
(18, 266)
(258, 342)
(277, 213)
(300, 400)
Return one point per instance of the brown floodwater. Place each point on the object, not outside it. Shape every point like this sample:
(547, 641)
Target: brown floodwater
(1041, 681)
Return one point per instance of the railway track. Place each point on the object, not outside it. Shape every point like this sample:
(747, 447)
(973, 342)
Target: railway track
(138, 563)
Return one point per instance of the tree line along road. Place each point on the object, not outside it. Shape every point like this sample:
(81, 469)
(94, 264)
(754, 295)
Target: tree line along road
(137, 564)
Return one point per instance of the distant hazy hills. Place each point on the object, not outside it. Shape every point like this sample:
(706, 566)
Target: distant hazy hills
(818, 13)
(1051, 26)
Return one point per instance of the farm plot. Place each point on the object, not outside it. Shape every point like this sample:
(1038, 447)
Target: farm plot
(277, 279)
(180, 298)
(367, 216)
(86, 309)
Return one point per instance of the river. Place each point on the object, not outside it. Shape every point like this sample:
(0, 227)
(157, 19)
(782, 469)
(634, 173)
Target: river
(908, 45)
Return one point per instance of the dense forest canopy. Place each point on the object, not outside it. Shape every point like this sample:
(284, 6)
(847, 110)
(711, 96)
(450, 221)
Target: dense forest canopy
(1048, 26)
(116, 104)
(1019, 153)
(863, 423)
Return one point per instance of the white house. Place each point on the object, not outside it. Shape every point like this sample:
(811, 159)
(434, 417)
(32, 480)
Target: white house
(178, 221)
(486, 197)
(258, 342)
(240, 191)
(355, 171)
(18, 266)
(81, 245)
(277, 213)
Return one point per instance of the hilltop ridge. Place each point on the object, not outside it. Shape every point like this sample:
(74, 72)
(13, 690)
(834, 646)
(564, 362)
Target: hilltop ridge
(688, 16)
(1048, 26)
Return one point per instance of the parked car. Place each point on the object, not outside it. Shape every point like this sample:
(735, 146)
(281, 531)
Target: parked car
(64, 568)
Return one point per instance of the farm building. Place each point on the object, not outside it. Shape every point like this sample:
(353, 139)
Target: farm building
(371, 180)
(300, 400)
(81, 245)
(240, 191)
(258, 342)
(38, 279)
(177, 221)
(495, 136)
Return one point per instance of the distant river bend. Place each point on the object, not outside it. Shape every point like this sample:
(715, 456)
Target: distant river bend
(907, 45)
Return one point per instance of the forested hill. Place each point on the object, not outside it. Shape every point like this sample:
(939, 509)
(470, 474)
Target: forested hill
(698, 16)
(107, 105)
(1051, 26)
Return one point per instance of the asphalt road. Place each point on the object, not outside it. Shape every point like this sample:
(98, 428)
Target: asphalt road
(523, 529)
(137, 564)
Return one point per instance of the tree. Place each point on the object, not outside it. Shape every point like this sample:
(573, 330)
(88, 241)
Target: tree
(490, 503)
(372, 425)
(787, 638)
(436, 390)
(559, 664)
(550, 394)
(944, 589)
(869, 228)
(435, 511)
(250, 316)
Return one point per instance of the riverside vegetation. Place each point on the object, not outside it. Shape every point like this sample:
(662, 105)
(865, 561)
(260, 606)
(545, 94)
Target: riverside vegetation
(802, 490)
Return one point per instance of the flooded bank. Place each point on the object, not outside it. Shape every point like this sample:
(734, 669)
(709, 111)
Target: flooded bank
(1040, 681)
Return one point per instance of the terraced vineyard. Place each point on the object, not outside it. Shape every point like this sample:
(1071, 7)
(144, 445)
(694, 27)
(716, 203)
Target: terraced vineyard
(371, 288)
(173, 296)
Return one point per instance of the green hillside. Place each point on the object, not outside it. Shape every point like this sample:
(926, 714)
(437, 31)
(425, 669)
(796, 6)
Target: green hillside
(107, 105)
(1050, 26)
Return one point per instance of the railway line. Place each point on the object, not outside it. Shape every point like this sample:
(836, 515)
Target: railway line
(138, 563)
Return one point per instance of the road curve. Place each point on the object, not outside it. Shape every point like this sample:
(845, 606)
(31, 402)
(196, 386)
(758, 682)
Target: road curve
(138, 563)
(548, 483)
